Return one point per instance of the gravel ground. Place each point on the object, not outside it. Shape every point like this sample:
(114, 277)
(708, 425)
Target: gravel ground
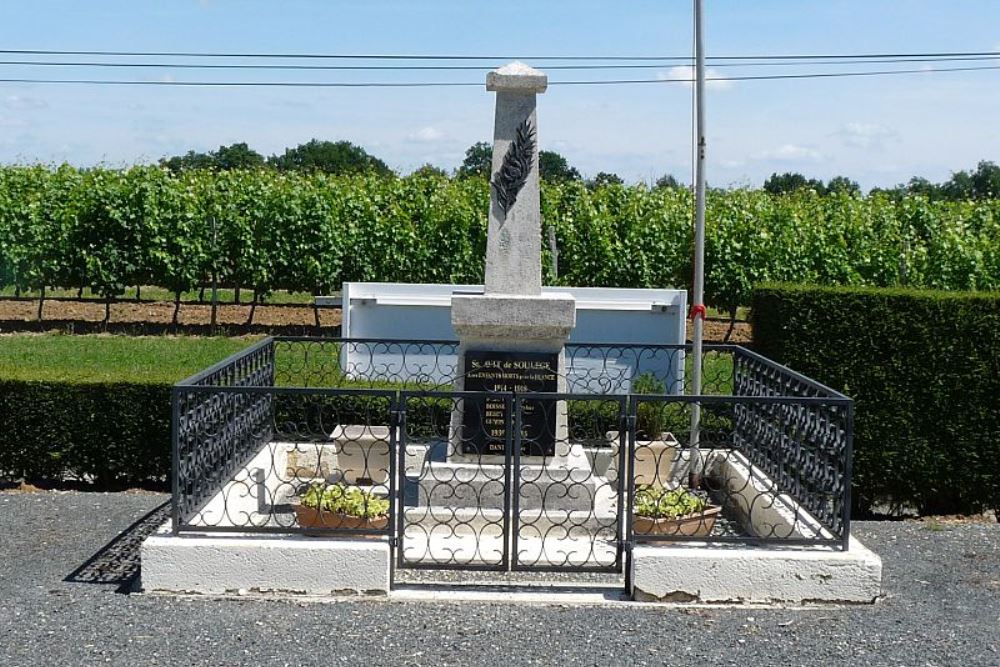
(56, 608)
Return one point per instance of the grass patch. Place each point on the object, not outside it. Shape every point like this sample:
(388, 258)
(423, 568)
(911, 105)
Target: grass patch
(716, 373)
(103, 358)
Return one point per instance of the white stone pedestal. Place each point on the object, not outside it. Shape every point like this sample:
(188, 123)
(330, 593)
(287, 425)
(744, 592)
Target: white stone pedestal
(509, 323)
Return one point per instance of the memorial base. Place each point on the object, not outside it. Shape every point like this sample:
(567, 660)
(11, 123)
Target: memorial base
(511, 344)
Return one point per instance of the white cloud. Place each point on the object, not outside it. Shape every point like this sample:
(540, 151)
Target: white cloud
(866, 135)
(7, 121)
(686, 73)
(22, 102)
(426, 135)
(790, 153)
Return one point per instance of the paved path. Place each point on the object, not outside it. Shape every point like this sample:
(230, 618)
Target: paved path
(56, 608)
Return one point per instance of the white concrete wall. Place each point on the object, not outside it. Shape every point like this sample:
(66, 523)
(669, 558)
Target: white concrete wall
(603, 315)
(194, 563)
(700, 572)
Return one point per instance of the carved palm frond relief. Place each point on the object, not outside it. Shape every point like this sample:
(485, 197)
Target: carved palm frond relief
(517, 163)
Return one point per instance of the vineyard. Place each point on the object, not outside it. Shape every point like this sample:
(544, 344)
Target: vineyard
(107, 230)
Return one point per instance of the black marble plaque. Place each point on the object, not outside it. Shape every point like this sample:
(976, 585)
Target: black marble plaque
(487, 421)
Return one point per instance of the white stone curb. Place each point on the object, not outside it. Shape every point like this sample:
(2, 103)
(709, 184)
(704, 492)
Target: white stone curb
(214, 564)
(738, 574)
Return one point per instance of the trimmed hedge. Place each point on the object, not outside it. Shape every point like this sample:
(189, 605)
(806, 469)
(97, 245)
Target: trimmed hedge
(116, 435)
(924, 370)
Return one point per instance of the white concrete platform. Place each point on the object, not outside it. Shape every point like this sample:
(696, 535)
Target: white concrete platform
(716, 573)
(690, 572)
(234, 563)
(694, 573)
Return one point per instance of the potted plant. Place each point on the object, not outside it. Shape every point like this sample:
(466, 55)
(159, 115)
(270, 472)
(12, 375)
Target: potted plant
(341, 506)
(656, 449)
(676, 511)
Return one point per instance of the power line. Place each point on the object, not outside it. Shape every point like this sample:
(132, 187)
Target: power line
(385, 56)
(257, 84)
(778, 77)
(408, 68)
(836, 56)
(430, 84)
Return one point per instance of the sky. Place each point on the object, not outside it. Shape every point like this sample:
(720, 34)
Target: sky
(878, 131)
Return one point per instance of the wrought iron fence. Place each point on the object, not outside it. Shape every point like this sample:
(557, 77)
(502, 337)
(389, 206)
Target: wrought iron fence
(373, 437)
(216, 427)
(591, 368)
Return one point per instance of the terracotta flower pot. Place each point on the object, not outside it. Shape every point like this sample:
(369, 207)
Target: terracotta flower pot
(311, 518)
(699, 524)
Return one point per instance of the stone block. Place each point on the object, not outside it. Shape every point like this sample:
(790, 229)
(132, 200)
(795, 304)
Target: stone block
(199, 563)
(521, 318)
(517, 77)
(701, 572)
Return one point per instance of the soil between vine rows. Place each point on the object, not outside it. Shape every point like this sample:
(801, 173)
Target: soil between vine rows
(18, 315)
(161, 313)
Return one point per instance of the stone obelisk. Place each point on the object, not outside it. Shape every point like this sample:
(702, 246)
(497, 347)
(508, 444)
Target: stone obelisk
(511, 329)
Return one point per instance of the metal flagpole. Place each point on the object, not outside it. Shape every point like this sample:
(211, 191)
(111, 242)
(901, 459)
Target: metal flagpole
(698, 287)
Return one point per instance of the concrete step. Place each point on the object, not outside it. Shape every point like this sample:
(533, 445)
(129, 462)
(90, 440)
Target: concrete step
(575, 551)
(533, 522)
(483, 485)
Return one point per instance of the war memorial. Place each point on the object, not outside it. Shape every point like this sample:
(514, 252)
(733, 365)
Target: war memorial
(510, 449)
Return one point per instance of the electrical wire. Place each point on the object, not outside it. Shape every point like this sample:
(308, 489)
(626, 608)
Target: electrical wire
(480, 68)
(433, 84)
(385, 56)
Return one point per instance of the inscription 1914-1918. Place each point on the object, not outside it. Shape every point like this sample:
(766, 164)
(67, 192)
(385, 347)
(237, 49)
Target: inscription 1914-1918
(487, 421)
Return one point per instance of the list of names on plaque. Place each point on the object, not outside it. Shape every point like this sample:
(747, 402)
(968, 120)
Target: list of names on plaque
(486, 421)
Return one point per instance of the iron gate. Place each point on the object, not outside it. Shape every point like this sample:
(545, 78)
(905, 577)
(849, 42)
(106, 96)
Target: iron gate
(492, 481)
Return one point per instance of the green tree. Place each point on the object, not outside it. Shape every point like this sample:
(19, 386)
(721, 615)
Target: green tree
(190, 160)
(843, 185)
(667, 182)
(478, 161)
(789, 182)
(959, 187)
(554, 168)
(234, 156)
(429, 171)
(331, 157)
(237, 156)
(921, 186)
(605, 178)
(986, 181)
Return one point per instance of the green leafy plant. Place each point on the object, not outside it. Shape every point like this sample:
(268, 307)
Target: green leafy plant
(345, 499)
(656, 502)
(268, 230)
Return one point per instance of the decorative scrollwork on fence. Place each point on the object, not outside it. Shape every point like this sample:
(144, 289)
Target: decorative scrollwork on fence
(384, 421)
